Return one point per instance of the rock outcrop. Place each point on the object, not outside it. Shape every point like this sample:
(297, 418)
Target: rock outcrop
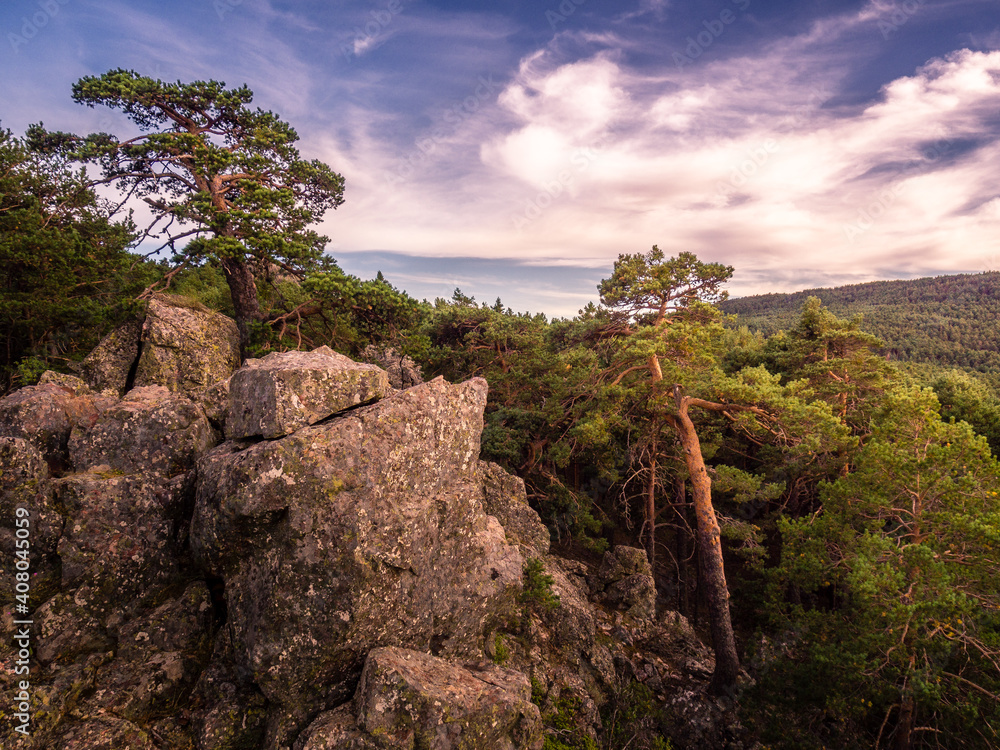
(505, 499)
(362, 532)
(174, 343)
(45, 416)
(172, 332)
(403, 372)
(296, 555)
(410, 699)
(282, 392)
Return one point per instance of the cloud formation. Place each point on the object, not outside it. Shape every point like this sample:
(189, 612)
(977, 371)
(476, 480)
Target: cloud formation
(803, 147)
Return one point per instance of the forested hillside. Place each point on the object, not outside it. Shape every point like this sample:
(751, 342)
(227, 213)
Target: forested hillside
(946, 320)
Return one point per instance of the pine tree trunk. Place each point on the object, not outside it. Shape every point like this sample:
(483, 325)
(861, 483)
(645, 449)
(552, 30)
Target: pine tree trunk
(651, 512)
(711, 568)
(243, 291)
(904, 730)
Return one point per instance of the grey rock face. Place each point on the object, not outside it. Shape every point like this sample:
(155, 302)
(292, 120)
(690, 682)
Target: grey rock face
(504, 498)
(150, 430)
(44, 415)
(625, 581)
(282, 392)
(174, 343)
(148, 666)
(407, 699)
(106, 369)
(214, 400)
(336, 730)
(120, 543)
(403, 371)
(362, 532)
(26, 504)
(232, 713)
(70, 382)
(185, 347)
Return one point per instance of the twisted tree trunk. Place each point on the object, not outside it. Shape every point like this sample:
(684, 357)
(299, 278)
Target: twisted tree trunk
(713, 573)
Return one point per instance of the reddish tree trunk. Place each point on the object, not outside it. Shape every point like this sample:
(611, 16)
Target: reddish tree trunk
(711, 567)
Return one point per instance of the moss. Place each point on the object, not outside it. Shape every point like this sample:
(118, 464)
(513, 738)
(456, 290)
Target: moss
(538, 691)
(632, 719)
(176, 300)
(500, 651)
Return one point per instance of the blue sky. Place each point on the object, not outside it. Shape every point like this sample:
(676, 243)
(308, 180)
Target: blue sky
(514, 149)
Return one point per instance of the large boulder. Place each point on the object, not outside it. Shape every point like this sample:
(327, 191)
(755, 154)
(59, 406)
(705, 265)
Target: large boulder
(30, 525)
(150, 430)
(125, 692)
(407, 699)
(403, 371)
(122, 539)
(185, 346)
(504, 498)
(284, 391)
(362, 532)
(625, 582)
(45, 415)
(336, 730)
(108, 367)
(73, 384)
(174, 342)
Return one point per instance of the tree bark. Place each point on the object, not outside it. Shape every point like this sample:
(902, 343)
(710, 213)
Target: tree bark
(651, 512)
(243, 291)
(904, 730)
(711, 567)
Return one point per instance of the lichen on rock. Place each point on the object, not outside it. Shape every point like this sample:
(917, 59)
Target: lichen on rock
(284, 391)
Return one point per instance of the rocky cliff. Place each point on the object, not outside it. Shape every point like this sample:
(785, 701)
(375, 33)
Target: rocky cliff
(296, 554)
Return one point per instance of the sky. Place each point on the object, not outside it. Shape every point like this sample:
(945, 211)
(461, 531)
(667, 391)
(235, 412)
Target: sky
(515, 149)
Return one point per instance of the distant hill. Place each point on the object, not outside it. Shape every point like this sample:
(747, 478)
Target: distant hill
(950, 321)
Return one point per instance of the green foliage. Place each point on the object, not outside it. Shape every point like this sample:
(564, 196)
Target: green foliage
(66, 275)
(632, 719)
(537, 592)
(349, 313)
(564, 733)
(897, 600)
(225, 179)
(965, 398)
(647, 288)
(500, 651)
(811, 479)
(210, 162)
(541, 379)
(836, 359)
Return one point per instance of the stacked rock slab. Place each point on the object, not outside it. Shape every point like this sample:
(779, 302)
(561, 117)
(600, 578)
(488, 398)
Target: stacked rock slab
(408, 699)
(364, 531)
(45, 416)
(625, 581)
(174, 330)
(504, 498)
(282, 392)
